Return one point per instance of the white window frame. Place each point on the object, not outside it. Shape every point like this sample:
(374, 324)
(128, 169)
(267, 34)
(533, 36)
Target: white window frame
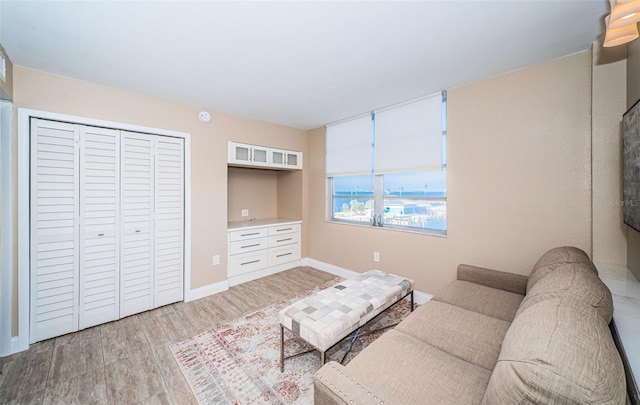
(378, 194)
(378, 197)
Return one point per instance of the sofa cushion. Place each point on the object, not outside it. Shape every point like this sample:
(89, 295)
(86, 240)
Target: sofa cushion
(402, 367)
(558, 351)
(468, 335)
(484, 300)
(553, 259)
(577, 281)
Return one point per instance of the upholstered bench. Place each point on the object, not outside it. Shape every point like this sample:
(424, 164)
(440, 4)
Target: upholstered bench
(328, 316)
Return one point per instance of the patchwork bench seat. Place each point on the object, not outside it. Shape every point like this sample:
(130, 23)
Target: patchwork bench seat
(330, 315)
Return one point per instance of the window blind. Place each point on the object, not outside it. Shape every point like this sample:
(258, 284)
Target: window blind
(409, 137)
(348, 147)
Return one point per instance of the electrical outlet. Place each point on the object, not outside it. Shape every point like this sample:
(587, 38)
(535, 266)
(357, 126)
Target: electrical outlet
(376, 256)
(216, 260)
(244, 212)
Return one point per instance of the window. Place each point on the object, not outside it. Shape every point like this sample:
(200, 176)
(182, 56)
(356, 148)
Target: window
(352, 198)
(398, 176)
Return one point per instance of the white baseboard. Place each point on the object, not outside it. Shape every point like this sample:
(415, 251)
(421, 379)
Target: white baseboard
(215, 288)
(419, 297)
(329, 268)
(207, 290)
(18, 345)
(221, 286)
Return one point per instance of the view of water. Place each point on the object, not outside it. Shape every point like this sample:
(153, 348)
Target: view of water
(421, 213)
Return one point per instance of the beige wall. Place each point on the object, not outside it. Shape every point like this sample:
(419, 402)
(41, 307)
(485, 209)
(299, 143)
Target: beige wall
(265, 193)
(255, 190)
(608, 105)
(519, 181)
(633, 95)
(6, 86)
(290, 191)
(42, 91)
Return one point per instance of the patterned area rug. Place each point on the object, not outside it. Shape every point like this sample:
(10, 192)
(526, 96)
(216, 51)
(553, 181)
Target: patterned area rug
(238, 362)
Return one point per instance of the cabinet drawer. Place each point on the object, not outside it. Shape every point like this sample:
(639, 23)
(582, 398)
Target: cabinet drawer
(248, 262)
(285, 239)
(249, 245)
(244, 234)
(284, 254)
(282, 229)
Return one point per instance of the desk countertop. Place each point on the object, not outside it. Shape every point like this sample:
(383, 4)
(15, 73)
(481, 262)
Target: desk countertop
(259, 223)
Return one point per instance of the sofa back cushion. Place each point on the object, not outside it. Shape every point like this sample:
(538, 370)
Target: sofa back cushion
(558, 351)
(577, 281)
(553, 259)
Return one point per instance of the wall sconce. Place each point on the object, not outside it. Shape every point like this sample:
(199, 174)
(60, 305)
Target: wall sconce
(622, 23)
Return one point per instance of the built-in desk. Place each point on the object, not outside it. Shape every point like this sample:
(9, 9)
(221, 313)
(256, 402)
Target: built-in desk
(625, 290)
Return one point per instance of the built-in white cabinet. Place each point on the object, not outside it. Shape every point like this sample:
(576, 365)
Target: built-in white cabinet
(248, 155)
(244, 155)
(262, 247)
(107, 225)
(286, 159)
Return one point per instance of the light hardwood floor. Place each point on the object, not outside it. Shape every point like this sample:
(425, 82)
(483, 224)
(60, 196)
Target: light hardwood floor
(128, 361)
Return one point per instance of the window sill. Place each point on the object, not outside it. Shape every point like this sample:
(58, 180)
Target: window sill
(395, 228)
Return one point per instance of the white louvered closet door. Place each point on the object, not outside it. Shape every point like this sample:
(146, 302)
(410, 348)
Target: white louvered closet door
(137, 188)
(99, 226)
(54, 229)
(169, 220)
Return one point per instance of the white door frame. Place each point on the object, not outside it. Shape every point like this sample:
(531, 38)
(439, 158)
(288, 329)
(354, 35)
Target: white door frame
(6, 233)
(24, 118)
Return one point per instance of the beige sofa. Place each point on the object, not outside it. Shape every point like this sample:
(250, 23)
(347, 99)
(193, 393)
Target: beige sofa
(494, 338)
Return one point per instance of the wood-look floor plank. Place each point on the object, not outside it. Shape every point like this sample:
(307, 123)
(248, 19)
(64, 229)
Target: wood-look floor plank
(128, 360)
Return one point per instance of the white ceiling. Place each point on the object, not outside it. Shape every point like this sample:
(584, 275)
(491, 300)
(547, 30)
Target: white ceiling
(297, 63)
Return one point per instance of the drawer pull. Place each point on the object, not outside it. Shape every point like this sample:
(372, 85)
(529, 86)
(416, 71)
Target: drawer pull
(251, 262)
(250, 234)
(283, 240)
(284, 254)
(283, 229)
(248, 246)
(101, 234)
(137, 230)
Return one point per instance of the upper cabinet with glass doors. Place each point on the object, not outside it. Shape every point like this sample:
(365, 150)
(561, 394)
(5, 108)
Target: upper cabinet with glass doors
(244, 155)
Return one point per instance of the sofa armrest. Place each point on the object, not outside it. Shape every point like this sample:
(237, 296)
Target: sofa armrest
(333, 384)
(515, 283)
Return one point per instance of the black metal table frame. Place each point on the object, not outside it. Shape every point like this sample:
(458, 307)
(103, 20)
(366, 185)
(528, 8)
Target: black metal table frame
(353, 337)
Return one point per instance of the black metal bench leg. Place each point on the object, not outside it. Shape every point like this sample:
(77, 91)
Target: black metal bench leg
(281, 349)
(412, 301)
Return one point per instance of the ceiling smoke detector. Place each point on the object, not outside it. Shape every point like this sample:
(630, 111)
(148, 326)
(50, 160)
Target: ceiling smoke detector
(204, 116)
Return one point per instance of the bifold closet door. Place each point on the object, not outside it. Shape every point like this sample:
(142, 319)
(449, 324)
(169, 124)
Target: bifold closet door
(169, 220)
(99, 226)
(152, 221)
(137, 189)
(55, 204)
